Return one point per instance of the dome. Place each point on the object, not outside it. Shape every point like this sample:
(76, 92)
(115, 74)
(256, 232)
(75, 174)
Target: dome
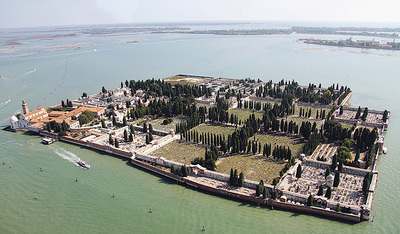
(13, 119)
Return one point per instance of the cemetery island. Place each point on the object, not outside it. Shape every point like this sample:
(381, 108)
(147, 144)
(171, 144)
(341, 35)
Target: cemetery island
(279, 145)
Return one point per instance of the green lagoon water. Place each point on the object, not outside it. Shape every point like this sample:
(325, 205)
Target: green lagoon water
(87, 206)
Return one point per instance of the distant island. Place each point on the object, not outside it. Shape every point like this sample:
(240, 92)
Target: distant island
(351, 31)
(282, 145)
(356, 44)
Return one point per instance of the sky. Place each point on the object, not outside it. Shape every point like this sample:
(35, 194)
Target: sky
(30, 13)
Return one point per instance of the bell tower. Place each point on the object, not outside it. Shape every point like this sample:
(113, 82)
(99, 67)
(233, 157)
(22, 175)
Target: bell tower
(25, 107)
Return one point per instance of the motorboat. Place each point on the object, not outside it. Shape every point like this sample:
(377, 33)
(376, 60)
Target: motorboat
(83, 164)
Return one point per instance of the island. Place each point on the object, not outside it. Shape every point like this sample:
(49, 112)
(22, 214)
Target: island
(355, 44)
(278, 145)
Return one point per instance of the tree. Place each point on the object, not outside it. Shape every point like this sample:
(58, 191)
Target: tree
(124, 121)
(231, 181)
(366, 182)
(235, 178)
(114, 120)
(340, 167)
(334, 163)
(103, 90)
(241, 179)
(265, 193)
(341, 110)
(310, 200)
(110, 140)
(385, 116)
(125, 135)
(84, 95)
(364, 116)
(184, 171)
(144, 127)
(320, 190)
(103, 124)
(151, 128)
(358, 114)
(275, 181)
(299, 171)
(130, 137)
(327, 172)
(328, 193)
(147, 139)
(336, 181)
(116, 143)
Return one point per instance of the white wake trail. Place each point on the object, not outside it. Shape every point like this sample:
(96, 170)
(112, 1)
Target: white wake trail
(69, 156)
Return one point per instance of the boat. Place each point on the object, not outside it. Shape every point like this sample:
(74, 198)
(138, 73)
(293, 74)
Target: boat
(48, 141)
(83, 164)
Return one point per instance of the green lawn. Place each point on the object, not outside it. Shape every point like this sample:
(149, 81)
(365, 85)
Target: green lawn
(243, 114)
(180, 152)
(313, 111)
(214, 129)
(157, 123)
(298, 120)
(295, 143)
(254, 167)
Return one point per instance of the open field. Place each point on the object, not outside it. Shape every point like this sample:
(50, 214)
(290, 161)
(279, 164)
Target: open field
(186, 79)
(215, 129)
(298, 120)
(254, 167)
(313, 110)
(244, 114)
(180, 152)
(158, 123)
(295, 143)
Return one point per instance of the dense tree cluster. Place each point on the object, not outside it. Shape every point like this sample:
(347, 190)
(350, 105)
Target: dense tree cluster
(86, 117)
(209, 160)
(366, 182)
(54, 126)
(183, 171)
(260, 188)
(313, 141)
(365, 138)
(333, 130)
(308, 94)
(235, 179)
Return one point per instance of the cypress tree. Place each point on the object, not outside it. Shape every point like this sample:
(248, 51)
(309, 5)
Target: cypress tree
(265, 193)
(235, 178)
(320, 190)
(231, 178)
(336, 181)
(241, 179)
(299, 171)
(310, 200)
(327, 172)
(328, 193)
(125, 135)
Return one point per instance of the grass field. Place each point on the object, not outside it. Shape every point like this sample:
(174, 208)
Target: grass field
(254, 167)
(244, 114)
(298, 120)
(180, 152)
(293, 142)
(313, 110)
(186, 79)
(215, 129)
(157, 123)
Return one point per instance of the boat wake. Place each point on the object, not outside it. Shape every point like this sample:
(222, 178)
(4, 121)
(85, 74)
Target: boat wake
(4, 103)
(70, 157)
